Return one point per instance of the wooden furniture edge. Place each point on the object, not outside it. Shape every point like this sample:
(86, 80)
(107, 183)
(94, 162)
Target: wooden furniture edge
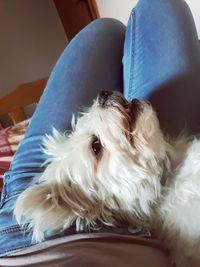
(28, 93)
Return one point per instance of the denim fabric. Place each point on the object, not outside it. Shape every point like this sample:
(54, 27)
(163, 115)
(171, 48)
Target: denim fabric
(162, 62)
(90, 63)
(161, 53)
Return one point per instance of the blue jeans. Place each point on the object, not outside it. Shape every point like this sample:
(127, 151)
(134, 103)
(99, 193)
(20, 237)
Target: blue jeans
(161, 62)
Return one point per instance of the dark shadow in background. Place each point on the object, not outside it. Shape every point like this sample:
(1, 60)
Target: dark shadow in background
(178, 105)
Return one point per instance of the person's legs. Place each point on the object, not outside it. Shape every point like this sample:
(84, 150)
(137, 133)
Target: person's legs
(162, 62)
(90, 63)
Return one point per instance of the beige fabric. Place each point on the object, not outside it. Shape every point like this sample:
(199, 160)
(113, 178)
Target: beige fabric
(95, 250)
(16, 134)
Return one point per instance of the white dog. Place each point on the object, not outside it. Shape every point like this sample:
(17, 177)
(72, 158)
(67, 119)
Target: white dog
(116, 165)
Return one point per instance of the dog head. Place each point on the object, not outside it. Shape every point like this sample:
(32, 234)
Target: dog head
(108, 168)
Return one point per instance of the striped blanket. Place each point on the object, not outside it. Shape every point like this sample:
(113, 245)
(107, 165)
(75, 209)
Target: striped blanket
(9, 141)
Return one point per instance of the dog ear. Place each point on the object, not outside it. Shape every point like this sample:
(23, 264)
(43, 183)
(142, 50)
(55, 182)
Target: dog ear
(41, 208)
(53, 204)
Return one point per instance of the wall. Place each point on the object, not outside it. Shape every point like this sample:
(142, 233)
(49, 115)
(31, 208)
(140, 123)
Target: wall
(31, 39)
(120, 9)
(195, 8)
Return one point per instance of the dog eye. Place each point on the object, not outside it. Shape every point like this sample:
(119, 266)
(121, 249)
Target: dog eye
(96, 146)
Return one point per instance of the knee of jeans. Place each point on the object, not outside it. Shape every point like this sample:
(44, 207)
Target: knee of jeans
(105, 28)
(107, 24)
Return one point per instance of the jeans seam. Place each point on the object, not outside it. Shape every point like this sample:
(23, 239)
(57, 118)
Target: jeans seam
(5, 198)
(3, 193)
(15, 228)
(132, 48)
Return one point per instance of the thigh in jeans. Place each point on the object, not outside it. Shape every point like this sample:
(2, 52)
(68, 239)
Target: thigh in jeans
(91, 62)
(162, 62)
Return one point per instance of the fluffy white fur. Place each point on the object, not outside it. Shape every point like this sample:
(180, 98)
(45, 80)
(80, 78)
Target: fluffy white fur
(122, 182)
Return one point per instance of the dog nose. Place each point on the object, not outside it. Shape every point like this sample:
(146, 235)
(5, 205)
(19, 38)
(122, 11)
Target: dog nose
(103, 97)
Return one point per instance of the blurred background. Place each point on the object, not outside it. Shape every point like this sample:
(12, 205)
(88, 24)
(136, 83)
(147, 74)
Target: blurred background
(33, 33)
